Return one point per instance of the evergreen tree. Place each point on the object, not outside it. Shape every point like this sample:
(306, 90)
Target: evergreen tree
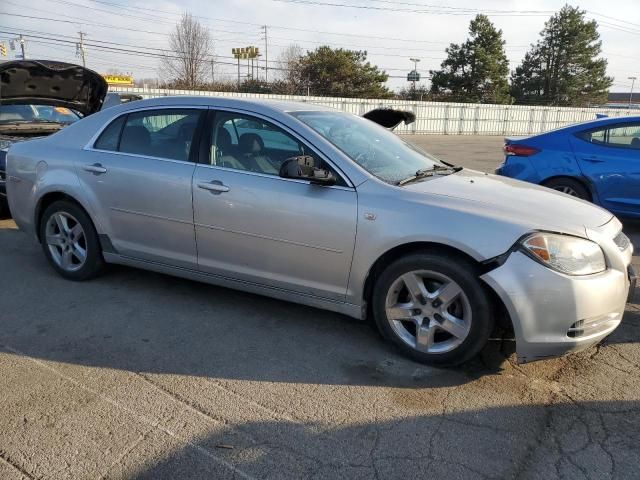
(563, 67)
(476, 70)
(340, 73)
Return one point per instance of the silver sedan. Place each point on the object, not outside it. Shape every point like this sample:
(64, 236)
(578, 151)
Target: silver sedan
(327, 209)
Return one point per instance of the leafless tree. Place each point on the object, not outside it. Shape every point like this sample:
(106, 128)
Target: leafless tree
(188, 62)
(287, 64)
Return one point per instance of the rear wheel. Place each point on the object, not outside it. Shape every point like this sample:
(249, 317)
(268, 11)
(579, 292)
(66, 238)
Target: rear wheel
(433, 307)
(70, 242)
(570, 187)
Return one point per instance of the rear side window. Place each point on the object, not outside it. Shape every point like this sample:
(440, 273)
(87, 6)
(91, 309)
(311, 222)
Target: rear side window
(111, 135)
(154, 133)
(621, 136)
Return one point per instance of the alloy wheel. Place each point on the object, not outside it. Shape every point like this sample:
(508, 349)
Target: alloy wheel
(428, 311)
(66, 241)
(566, 189)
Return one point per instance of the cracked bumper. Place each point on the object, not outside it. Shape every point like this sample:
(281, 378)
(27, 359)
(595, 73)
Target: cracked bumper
(553, 313)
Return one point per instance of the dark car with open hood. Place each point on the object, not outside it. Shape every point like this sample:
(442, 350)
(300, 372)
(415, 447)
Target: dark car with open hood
(38, 98)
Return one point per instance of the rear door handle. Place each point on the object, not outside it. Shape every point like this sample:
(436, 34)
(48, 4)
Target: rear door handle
(592, 159)
(95, 168)
(215, 186)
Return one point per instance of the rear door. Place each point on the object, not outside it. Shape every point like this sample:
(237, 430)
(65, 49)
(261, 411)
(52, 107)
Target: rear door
(610, 158)
(255, 226)
(138, 174)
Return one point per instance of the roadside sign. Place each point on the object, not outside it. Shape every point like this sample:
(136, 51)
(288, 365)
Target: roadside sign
(413, 76)
(118, 79)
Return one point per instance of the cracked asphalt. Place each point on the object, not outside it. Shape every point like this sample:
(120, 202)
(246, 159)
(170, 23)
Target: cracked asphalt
(139, 375)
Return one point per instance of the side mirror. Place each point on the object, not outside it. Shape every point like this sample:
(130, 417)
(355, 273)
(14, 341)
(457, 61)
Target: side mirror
(304, 168)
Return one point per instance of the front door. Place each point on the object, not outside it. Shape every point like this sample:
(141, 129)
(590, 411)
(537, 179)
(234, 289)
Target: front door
(255, 226)
(139, 175)
(610, 158)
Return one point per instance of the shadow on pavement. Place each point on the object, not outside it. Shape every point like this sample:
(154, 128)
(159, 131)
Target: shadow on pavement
(145, 322)
(562, 440)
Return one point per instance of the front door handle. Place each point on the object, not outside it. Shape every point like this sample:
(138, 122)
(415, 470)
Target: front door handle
(215, 186)
(95, 168)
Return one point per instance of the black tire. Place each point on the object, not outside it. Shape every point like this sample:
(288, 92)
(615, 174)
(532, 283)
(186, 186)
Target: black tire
(93, 264)
(570, 187)
(465, 275)
(4, 208)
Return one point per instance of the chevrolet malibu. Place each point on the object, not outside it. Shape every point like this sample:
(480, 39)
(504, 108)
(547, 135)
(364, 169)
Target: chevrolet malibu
(326, 209)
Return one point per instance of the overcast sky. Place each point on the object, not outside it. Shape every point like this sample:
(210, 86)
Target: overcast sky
(391, 31)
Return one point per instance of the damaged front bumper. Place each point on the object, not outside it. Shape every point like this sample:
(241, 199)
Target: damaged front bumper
(553, 313)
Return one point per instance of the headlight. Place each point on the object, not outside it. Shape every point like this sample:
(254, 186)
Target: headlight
(570, 255)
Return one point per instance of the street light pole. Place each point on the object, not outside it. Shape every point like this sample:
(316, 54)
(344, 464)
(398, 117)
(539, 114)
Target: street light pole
(633, 81)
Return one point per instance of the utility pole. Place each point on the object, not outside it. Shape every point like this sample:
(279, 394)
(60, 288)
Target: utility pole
(212, 74)
(24, 57)
(266, 54)
(258, 66)
(81, 47)
(633, 81)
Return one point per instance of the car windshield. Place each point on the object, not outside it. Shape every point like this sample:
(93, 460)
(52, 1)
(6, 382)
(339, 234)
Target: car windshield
(36, 113)
(376, 149)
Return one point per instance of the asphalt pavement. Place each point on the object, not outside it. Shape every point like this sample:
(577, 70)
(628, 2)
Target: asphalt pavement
(141, 375)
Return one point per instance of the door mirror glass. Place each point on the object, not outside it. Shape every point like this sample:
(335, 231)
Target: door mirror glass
(305, 167)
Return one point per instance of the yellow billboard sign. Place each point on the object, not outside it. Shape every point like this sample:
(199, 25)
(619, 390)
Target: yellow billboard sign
(246, 52)
(118, 79)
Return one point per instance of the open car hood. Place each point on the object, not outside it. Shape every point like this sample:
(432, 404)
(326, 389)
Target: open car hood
(44, 82)
(389, 117)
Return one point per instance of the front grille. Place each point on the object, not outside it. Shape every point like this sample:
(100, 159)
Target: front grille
(622, 241)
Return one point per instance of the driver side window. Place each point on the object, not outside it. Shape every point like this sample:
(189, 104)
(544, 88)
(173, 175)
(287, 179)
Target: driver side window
(242, 142)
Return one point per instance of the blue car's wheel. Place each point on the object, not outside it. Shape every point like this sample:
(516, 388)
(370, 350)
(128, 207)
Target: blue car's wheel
(570, 187)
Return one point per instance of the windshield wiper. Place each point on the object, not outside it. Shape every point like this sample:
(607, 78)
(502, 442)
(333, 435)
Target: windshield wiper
(430, 172)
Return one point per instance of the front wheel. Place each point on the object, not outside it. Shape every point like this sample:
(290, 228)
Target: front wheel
(4, 208)
(70, 241)
(433, 307)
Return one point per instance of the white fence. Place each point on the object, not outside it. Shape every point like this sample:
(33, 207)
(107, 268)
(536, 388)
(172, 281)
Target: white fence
(434, 117)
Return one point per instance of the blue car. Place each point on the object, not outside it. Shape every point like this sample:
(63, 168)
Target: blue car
(597, 161)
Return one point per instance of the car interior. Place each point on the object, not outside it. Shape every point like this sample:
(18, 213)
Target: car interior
(159, 136)
(627, 137)
(252, 146)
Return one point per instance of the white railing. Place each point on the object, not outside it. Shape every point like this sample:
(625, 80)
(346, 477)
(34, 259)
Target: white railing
(433, 117)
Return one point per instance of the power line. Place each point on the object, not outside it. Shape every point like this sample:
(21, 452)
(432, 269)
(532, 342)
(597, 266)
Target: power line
(432, 11)
(613, 18)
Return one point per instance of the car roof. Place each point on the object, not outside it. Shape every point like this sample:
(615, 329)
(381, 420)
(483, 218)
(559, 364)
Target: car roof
(578, 127)
(258, 105)
(606, 120)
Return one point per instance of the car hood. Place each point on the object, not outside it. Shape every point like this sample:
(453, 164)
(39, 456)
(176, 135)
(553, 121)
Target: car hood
(46, 82)
(539, 207)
